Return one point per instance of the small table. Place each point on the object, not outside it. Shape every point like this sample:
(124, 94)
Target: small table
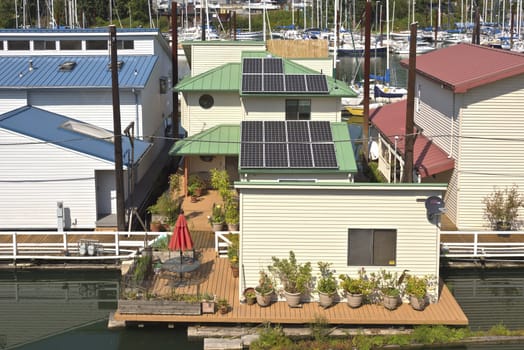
(181, 265)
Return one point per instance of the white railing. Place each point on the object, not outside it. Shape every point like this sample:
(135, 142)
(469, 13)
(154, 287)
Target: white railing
(222, 242)
(88, 247)
(501, 244)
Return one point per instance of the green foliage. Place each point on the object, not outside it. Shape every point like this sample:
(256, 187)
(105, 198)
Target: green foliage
(437, 334)
(416, 286)
(142, 268)
(271, 338)
(372, 173)
(265, 283)
(295, 277)
(217, 214)
(327, 283)
(166, 206)
(502, 208)
(499, 330)
(355, 285)
(232, 213)
(319, 328)
(195, 181)
(220, 182)
(389, 283)
(161, 243)
(233, 248)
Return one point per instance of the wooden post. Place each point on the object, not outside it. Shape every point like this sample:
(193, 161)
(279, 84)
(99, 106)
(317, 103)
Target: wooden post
(409, 138)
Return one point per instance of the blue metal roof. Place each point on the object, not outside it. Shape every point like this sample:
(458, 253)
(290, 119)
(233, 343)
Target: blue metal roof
(46, 126)
(89, 71)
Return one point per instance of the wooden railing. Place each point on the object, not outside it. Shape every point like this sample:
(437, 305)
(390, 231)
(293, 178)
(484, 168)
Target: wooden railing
(73, 245)
(483, 244)
(222, 242)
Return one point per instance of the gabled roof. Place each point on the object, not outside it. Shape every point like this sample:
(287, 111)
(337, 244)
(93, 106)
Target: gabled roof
(88, 71)
(223, 78)
(228, 78)
(466, 66)
(218, 140)
(49, 128)
(428, 158)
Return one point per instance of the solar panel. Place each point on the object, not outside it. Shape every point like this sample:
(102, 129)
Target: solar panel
(275, 131)
(320, 131)
(252, 155)
(276, 155)
(273, 65)
(297, 131)
(295, 83)
(252, 83)
(252, 131)
(252, 65)
(324, 155)
(316, 83)
(273, 83)
(300, 155)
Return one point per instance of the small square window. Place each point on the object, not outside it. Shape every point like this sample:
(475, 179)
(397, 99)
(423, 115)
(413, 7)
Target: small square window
(368, 247)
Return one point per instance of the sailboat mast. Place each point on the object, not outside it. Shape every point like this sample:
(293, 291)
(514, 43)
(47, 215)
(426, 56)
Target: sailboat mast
(387, 39)
(337, 31)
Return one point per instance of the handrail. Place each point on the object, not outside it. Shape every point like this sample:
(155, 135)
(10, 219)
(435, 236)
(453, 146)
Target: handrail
(74, 245)
(220, 236)
(496, 245)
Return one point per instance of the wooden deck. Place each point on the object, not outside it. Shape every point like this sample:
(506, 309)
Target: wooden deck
(215, 277)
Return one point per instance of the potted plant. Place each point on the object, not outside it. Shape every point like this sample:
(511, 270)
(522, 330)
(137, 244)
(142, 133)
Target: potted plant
(295, 278)
(232, 215)
(389, 285)
(196, 183)
(192, 191)
(502, 208)
(232, 253)
(416, 288)
(223, 306)
(264, 290)
(165, 209)
(208, 303)
(327, 284)
(355, 289)
(217, 217)
(250, 295)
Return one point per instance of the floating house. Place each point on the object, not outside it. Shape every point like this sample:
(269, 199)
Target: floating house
(274, 124)
(468, 126)
(67, 73)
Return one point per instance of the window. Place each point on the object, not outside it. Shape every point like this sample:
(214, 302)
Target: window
(368, 247)
(18, 44)
(70, 45)
(206, 101)
(298, 109)
(44, 45)
(1, 44)
(96, 44)
(125, 44)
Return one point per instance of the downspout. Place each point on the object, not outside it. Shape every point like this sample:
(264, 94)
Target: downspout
(137, 124)
(452, 128)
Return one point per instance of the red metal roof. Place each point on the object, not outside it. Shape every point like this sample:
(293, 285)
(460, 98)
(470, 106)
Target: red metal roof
(465, 66)
(428, 158)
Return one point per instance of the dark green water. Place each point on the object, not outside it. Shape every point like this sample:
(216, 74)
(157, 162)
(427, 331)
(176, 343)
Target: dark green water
(69, 310)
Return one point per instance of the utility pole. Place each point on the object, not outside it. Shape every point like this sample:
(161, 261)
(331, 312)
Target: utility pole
(409, 138)
(117, 130)
(174, 66)
(367, 64)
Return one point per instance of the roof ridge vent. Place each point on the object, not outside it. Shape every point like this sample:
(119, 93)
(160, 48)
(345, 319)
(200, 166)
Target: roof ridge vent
(67, 66)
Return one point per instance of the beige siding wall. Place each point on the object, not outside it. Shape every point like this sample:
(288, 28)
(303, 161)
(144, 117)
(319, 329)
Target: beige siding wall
(491, 147)
(274, 108)
(434, 111)
(206, 57)
(314, 223)
(324, 66)
(226, 110)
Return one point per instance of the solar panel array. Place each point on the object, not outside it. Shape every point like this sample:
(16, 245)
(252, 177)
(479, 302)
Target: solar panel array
(266, 75)
(287, 144)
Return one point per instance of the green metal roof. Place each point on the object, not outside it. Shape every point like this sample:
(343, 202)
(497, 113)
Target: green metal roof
(218, 140)
(228, 77)
(223, 78)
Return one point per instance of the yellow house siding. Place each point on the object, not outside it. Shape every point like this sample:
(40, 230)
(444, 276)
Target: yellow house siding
(226, 110)
(206, 57)
(314, 224)
(491, 154)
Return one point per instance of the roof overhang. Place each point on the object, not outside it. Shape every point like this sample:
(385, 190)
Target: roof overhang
(428, 158)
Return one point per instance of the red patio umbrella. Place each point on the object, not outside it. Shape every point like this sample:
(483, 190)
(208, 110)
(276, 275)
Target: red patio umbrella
(181, 239)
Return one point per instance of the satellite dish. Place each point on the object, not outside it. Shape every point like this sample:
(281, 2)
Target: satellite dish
(434, 206)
